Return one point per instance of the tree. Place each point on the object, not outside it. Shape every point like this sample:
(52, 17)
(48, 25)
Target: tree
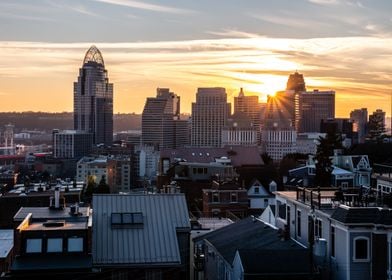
(103, 187)
(325, 150)
(90, 187)
(266, 159)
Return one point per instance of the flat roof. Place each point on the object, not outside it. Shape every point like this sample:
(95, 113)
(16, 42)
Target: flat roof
(6, 242)
(68, 225)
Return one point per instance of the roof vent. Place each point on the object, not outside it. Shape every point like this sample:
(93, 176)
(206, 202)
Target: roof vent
(54, 224)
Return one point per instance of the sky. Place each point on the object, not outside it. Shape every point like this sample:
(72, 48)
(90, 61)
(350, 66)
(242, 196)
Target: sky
(343, 45)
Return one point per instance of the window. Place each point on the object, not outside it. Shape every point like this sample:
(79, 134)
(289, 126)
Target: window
(55, 245)
(298, 223)
(116, 218)
(265, 202)
(361, 249)
(127, 218)
(75, 244)
(332, 241)
(34, 245)
(257, 190)
(233, 197)
(318, 228)
(215, 197)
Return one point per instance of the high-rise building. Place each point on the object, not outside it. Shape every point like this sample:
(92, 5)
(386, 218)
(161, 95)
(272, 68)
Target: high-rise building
(161, 124)
(296, 82)
(289, 98)
(209, 116)
(240, 131)
(376, 125)
(250, 106)
(278, 134)
(314, 106)
(93, 99)
(71, 144)
(360, 119)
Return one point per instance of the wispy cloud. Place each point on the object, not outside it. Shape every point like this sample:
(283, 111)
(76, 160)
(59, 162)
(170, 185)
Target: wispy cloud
(233, 33)
(324, 2)
(145, 6)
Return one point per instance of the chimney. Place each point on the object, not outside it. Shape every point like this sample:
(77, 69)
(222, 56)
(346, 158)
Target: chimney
(57, 198)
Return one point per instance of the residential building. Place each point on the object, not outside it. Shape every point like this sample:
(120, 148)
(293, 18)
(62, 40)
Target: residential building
(93, 99)
(251, 249)
(52, 241)
(209, 116)
(314, 106)
(161, 124)
(348, 240)
(7, 249)
(201, 226)
(35, 195)
(141, 236)
(359, 165)
(260, 197)
(360, 119)
(72, 144)
(225, 199)
(268, 215)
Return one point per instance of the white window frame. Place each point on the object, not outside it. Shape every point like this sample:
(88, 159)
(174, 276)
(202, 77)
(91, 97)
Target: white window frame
(368, 249)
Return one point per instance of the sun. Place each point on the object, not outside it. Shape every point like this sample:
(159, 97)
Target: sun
(269, 85)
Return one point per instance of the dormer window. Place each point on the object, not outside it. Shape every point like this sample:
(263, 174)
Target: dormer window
(135, 218)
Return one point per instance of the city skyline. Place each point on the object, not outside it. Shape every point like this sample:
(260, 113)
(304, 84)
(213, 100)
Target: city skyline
(337, 45)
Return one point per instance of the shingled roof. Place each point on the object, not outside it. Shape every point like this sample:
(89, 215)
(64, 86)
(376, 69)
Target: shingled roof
(247, 234)
(363, 215)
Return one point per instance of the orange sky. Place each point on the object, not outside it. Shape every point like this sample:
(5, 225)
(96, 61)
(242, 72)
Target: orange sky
(39, 76)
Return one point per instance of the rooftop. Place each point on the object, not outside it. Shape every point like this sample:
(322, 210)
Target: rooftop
(119, 242)
(247, 234)
(6, 242)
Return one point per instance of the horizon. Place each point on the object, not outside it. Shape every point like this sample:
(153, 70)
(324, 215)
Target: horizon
(338, 45)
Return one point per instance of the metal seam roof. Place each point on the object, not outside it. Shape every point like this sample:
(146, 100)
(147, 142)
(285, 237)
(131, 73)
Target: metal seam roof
(155, 243)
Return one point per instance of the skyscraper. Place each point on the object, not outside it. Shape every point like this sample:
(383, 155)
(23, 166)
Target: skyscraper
(376, 125)
(161, 124)
(313, 106)
(93, 99)
(360, 119)
(296, 82)
(251, 107)
(209, 115)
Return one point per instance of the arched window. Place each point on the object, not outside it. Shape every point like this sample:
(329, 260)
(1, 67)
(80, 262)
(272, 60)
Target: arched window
(361, 250)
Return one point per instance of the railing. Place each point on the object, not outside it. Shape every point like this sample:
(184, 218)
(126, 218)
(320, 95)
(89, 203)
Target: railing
(317, 197)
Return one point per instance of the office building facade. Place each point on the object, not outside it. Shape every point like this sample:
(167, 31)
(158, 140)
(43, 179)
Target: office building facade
(314, 106)
(209, 116)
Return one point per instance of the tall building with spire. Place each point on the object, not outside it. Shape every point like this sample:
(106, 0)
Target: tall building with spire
(251, 107)
(93, 99)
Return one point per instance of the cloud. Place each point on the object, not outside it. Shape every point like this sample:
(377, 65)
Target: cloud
(145, 6)
(233, 33)
(351, 66)
(324, 2)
